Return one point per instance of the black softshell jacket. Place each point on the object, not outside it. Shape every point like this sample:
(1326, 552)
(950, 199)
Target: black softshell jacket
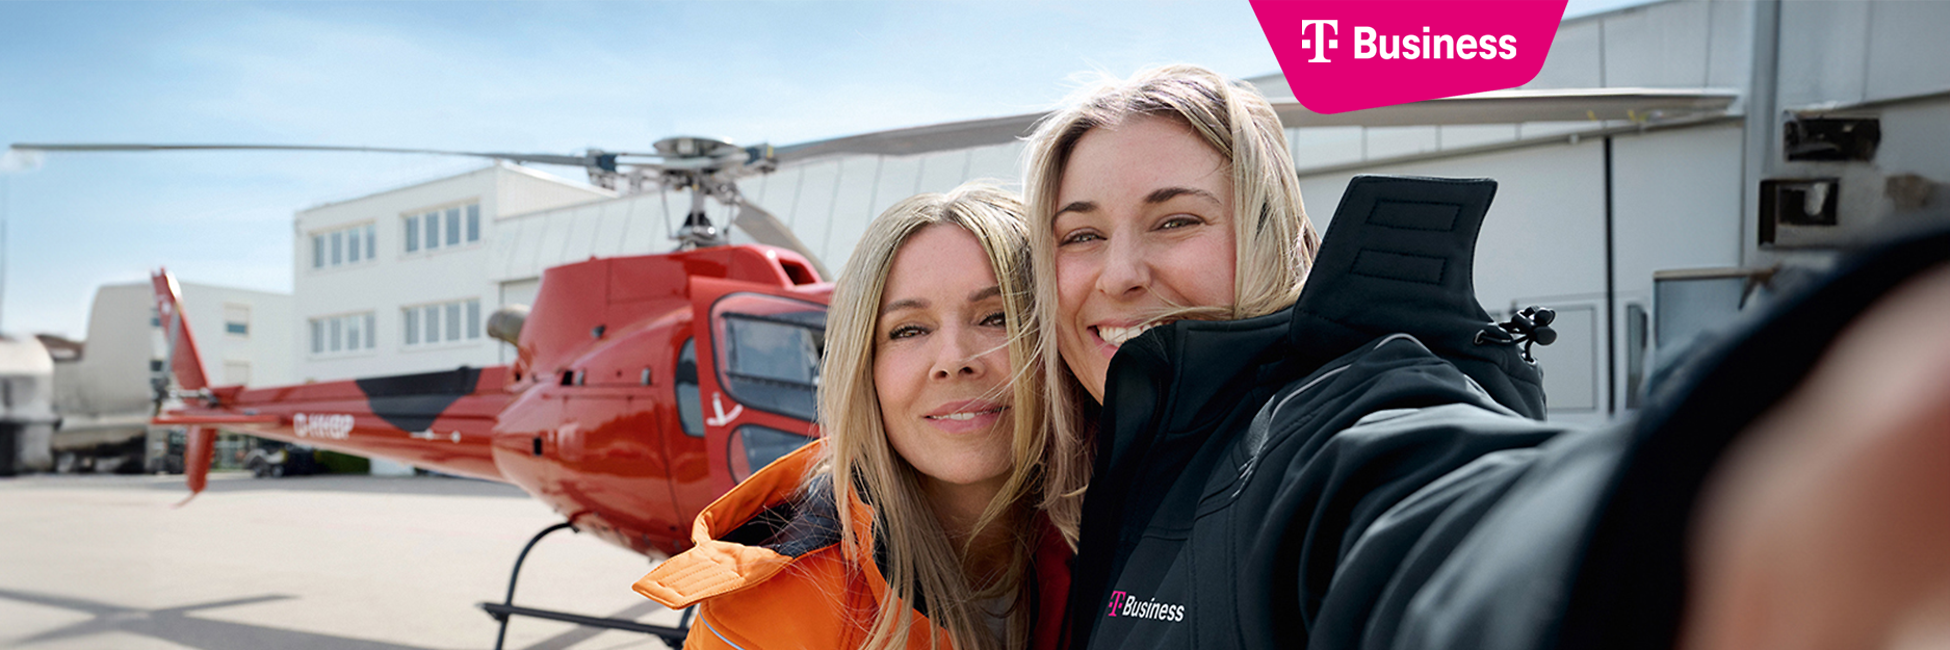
(1364, 470)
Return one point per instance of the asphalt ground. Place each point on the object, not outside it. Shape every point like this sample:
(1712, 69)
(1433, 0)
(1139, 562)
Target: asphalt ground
(301, 562)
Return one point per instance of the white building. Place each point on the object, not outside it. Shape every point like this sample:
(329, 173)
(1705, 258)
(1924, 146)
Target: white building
(397, 282)
(105, 396)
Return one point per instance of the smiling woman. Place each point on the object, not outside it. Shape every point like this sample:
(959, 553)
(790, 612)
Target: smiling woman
(1134, 247)
(941, 369)
(1141, 185)
(932, 540)
(1364, 465)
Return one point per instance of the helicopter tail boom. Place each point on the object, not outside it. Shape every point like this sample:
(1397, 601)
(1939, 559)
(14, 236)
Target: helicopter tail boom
(439, 420)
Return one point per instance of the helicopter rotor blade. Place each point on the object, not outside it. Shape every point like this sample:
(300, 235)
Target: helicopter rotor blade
(767, 229)
(594, 159)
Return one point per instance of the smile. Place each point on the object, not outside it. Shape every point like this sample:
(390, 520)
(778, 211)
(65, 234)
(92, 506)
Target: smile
(1118, 335)
(966, 415)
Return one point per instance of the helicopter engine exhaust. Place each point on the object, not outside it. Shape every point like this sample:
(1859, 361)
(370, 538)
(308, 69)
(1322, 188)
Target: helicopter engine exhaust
(505, 323)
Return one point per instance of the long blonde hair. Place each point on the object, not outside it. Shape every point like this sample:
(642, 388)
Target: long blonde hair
(1275, 242)
(921, 564)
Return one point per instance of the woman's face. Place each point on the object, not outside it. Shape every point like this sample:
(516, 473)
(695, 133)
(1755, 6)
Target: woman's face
(1143, 224)
(941, 360)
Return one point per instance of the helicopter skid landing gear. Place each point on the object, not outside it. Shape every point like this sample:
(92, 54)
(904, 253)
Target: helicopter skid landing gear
(502, 611)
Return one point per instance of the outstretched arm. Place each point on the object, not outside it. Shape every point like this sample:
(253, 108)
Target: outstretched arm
(1828, 524)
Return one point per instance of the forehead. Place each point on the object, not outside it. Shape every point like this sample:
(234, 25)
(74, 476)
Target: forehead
(938, 260)
(1141, 154)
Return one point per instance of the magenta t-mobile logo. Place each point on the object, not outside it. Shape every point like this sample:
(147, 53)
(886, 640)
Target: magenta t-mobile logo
(1124, 605)
(1404, 51)
(1322, 30)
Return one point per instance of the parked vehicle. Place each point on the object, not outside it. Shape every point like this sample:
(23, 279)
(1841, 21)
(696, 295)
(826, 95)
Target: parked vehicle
(273, 459)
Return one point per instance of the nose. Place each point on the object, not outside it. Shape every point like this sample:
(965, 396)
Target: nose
(1125, 272)
(959, 355)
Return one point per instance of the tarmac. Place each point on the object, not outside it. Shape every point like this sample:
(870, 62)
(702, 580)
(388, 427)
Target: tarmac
(300, 562)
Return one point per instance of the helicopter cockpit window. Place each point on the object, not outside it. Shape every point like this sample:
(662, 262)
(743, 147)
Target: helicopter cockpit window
(690, 407)
(769, 350)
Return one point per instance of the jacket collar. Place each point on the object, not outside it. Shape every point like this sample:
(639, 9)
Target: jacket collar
(715, 566)
(1399, 258)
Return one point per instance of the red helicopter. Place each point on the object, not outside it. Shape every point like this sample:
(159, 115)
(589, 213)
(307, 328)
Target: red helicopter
(644, 386)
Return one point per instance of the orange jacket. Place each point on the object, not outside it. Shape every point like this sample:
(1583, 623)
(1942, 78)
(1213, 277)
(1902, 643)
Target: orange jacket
(803, 595)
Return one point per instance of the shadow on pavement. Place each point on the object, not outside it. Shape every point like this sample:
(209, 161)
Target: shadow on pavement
(173, 625)
(419, 485)
(231, 482)
(579, 634)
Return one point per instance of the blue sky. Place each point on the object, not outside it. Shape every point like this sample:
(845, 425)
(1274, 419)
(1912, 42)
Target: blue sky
(542, 77)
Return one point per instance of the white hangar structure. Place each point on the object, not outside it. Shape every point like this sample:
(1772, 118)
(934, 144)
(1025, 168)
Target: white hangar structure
(1665, 153)
(104, 394)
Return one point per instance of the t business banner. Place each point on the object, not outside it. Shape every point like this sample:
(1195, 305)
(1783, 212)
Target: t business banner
(1347, 55)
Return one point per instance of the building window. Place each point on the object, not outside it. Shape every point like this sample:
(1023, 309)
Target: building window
(344, 246)
(342, 334)
(447, 322)
(237, 320)
(443, 228)
(473, 319)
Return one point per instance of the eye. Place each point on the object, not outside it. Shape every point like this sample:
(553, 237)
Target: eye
(997, 319)
(1079, 237)
(1179, 221)
(906, 331)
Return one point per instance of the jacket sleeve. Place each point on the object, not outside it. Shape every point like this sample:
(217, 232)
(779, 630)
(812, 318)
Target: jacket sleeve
(1385, 468)
(1367, 566)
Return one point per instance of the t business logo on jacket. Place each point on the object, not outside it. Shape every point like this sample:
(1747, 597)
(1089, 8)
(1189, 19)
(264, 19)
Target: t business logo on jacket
(1122, 605)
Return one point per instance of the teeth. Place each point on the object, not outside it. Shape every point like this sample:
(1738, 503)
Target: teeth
(1118, 335)
(964, 416)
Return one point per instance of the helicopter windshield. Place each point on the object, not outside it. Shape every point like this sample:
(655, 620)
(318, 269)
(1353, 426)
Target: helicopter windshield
(770, 349)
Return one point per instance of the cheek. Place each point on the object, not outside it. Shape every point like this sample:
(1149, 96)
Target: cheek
(1204, 270)
(893, 382)
(1073, 281)
(996, 344)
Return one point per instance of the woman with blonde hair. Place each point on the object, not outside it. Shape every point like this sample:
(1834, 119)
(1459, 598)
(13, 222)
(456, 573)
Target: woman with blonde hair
(912, 522)
(1361, 462)
(1233, 145)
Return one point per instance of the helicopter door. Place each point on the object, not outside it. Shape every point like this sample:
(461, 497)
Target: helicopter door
(758, 356)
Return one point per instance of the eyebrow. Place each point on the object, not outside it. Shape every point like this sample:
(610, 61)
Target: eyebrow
(904, 303)
(985, 294)
(1157, 196)
(1077, 206)
(1166, 194)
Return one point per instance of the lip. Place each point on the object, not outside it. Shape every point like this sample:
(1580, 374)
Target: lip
(1105, 348)
(985, 414)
